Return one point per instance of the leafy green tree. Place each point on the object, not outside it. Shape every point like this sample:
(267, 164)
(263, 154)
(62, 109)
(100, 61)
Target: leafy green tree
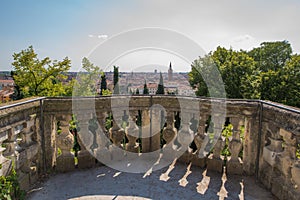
(86, 84)
(234, 67)
(35, 77)
(271, 58)
(116, 80)
(146, 90)
(271, 55)
(160, 88)
(291, 82)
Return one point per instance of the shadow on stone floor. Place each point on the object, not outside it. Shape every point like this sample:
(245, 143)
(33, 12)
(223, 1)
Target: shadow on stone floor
(177, 181)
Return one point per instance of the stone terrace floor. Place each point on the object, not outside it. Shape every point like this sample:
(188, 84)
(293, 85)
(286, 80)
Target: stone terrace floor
(178, 181)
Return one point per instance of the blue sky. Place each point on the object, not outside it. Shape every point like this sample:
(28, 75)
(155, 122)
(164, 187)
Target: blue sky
(60, 28)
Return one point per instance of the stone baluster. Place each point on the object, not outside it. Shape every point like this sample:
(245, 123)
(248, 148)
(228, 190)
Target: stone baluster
(215, 162)
(117, 135)
(157, 116)
(101, 153)
(65, 141)
(169, 132)
(169, 135)
(28, 169)
(288, 156)
(13, 148)
(235, 164)
(185, 134)
(5, 162)
(116, 132)
(271, 151)
(101, 141)
(86, 140)
(146, 131)
(132, 132)
(201, 140)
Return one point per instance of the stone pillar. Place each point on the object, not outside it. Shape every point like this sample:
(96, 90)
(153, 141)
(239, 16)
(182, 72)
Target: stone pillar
(86, 140)
(28, 170)
(117, 135)
(201, 140)
(270, 154)
(169, 135)
(235, 164)
(169, 132)
(145, 131)
(185, 134)
(250, 147)
(132, 132)
(5, 162)
(157, 116)
(215, 162)
(65, 141)
(102, 142)
(50, 133)
(102, 153)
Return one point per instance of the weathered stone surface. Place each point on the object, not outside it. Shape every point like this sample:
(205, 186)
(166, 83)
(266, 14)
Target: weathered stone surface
(214, 164)
(24, 181)
(37, 141)
(234, 167)
(85, 160)
(65, 163)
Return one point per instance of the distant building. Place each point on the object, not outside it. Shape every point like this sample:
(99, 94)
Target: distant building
(7, 83)
(170, 73)
(5, 94)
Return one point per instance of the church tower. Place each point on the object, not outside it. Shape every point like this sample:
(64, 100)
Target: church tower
(170, 73)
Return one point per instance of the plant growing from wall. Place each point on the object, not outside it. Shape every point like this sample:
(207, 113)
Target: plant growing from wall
(10, 188)
(298, 151)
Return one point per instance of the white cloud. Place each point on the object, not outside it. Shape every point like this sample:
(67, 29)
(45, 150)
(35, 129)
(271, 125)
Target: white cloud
(102, 36)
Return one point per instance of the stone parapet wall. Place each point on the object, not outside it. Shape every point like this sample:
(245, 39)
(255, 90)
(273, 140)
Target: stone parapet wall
(263, 136)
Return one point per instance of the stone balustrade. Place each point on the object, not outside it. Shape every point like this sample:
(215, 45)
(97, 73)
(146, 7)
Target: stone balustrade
(262, 138)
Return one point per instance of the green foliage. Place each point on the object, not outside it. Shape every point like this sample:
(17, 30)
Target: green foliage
(298, 151)
(269, 72)
(226, 133)
(10, 188)
(108, 122)
(73, 124)
(146, 90)
(160, 88)
(116, 80)
(103, 85)
(35, 77)
(106, 92)
(86, 84)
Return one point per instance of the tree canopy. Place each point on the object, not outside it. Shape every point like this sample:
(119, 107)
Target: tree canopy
(87, 81)
(35, 77)
(269, 72)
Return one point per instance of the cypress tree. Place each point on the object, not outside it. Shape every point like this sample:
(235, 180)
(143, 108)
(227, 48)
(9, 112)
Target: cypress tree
(116, 80)
(146, 90)
(103, 85)
(160, 88)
